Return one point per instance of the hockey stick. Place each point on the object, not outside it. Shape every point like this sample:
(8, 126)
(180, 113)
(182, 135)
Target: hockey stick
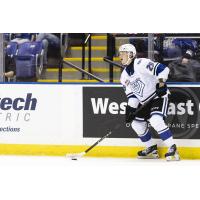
(141, 107)
(113, 63)
(75, 156)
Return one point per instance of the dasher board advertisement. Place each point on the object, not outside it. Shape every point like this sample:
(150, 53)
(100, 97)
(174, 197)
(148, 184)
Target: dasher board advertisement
(104, 107)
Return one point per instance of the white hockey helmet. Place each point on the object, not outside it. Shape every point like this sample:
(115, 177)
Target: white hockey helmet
(130, 53)
(128, 48)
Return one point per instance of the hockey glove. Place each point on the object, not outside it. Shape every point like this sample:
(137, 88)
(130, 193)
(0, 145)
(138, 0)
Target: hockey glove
(130, 114)
(161, 90)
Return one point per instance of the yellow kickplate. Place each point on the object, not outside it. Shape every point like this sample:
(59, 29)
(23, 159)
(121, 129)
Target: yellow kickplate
(99, 151)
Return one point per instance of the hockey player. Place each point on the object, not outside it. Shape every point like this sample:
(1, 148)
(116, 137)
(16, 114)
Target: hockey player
(142, 79)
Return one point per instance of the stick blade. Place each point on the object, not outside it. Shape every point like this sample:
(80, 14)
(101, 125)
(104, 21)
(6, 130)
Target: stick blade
(75, 156)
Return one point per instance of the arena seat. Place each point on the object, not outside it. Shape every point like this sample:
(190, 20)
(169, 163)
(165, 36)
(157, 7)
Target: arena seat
(7, 36)
(11, 49)
(30, 48)
(29, 60)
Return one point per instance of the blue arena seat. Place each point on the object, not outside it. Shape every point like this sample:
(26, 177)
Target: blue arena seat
(25, 66)
(30, 48)
(27, 59)
(185, 44)
(11, 49)
(7, 36)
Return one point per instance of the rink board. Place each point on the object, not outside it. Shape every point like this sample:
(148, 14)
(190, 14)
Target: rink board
(56, 119)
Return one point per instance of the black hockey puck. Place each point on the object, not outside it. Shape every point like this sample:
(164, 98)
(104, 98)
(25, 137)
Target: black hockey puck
(74, 158)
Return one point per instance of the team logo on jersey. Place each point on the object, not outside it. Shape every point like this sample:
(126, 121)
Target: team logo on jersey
(137, 87)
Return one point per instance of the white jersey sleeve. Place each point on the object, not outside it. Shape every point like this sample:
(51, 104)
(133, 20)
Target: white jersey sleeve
(153, 68)
(125, 81)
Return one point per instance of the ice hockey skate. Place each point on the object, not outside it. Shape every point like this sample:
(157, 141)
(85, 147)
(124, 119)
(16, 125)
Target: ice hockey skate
(172, 154)
(149, 153)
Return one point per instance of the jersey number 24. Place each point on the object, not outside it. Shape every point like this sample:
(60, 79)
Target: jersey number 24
(150, 66)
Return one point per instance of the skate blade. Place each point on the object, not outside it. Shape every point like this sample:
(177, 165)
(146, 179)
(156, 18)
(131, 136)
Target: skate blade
(176, 157)
(152, 156)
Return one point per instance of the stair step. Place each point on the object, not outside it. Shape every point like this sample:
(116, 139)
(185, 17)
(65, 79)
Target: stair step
(94, 59)
(73, 81)
(99, 37)
(94, 48)
(93, 64)
(69, 73)
(94, 53)
(98, 70)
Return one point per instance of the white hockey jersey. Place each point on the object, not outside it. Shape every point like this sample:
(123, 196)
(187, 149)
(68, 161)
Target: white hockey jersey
(139, 79)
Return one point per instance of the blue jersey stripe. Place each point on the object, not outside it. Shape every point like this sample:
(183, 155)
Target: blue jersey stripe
(129, 94)
(159, 69)
(154, 71)
(132, 96)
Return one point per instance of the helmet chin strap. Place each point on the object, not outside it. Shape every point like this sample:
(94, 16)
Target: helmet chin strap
(129, 59)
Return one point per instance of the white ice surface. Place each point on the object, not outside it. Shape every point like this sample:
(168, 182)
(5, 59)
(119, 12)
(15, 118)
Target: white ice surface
(58, 178)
